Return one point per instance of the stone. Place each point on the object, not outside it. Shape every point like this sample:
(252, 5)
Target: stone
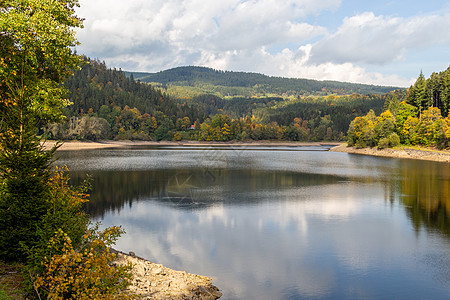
(183, 286)
(140, 270)
(154, 281)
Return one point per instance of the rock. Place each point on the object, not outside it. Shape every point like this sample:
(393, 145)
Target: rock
(139, 270)
(217, 294)
(154, 281)
(158, 271)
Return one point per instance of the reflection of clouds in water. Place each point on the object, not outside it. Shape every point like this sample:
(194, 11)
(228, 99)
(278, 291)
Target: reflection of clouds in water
(268, 234)
(299, 246)
(267, 244)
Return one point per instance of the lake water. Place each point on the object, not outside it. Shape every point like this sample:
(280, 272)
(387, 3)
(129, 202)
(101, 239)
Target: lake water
(279, 222)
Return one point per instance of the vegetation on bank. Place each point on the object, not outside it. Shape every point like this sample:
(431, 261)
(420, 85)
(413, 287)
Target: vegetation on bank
(42, 223)
(422, 119)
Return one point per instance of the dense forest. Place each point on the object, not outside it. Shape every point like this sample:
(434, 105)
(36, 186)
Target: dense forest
(259, 83)
(422, 119)
(107, 104)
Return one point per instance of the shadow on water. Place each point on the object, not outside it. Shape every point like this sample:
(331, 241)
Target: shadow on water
(422, 187)
(190, 188)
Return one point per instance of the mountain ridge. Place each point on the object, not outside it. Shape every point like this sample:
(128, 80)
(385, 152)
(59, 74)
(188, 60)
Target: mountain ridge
(195, 75)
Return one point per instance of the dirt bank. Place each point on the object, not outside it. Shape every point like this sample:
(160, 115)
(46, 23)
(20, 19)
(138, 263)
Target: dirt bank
(153, 281)
(77, 145)
(399, 152)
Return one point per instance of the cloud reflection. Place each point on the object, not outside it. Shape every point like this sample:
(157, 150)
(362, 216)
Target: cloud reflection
(281, 228)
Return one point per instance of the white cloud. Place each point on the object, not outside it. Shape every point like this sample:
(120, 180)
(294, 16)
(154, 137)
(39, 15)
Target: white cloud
(296, 64)
(370, 39)
(268, 36)
(175, 27)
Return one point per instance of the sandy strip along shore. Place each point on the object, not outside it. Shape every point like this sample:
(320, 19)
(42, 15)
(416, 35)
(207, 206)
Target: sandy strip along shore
(77, 145)
(399, 152)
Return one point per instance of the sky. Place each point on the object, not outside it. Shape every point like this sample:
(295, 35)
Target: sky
(381, 42)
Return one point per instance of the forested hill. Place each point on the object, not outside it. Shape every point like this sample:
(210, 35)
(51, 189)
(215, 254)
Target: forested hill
(194, 76)
(108, 104)
(96, 88)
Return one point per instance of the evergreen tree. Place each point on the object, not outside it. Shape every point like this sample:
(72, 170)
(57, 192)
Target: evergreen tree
(35, 41)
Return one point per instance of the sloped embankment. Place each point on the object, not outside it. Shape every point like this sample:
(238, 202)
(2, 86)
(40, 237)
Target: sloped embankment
(154, 281)
(400, 152)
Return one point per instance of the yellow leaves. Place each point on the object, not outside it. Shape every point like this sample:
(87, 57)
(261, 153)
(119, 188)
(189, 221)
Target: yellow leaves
(62, 193)
(88, 273)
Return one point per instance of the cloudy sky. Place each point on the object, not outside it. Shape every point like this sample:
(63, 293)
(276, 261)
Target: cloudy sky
(385, 42)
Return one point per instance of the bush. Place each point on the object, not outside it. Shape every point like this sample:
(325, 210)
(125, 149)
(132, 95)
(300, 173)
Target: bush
(394, 140)
(64, 213)
(68, 260)
(383, 143)
(86, 272)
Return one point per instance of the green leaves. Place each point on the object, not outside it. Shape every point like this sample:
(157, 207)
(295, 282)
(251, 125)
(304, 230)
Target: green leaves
(431, 129)
(35, 58)
(36, 37)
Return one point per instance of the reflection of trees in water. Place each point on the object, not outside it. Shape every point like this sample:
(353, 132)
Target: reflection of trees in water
(112, 190)
(188, 189)
(425, 193)
(422, 187)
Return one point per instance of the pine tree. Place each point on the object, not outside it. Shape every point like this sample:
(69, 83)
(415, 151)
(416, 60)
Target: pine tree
(35, 41)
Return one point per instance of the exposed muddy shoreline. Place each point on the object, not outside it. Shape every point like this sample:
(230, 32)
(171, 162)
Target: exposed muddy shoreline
(399, 152)
(78, 145)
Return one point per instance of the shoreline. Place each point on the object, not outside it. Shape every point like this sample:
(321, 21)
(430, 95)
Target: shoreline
(398, 152)
(154, 281)
(79, 145)
(405, 152)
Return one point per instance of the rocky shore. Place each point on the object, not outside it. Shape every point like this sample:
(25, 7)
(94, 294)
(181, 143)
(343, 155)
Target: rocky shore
(154, 281)
(399, 152)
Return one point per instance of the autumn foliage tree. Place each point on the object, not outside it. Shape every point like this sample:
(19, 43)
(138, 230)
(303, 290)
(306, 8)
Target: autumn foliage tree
(35, 41)
(420, 120)
(38, 209)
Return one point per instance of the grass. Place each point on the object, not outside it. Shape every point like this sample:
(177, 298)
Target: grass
(11, 282)
(3, 294)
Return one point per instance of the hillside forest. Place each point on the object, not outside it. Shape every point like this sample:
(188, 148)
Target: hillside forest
(112, 104)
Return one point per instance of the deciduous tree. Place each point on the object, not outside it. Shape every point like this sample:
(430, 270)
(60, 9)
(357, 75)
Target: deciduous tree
(36, 37)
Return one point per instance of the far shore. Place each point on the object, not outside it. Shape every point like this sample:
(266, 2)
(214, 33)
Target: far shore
(420, 153)
(82, 145)
(398, 152)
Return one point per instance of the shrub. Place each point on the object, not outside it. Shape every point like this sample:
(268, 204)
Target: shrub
(383, 143)
(394, 140)
(64, 213)
(86, 272)
(68, 260)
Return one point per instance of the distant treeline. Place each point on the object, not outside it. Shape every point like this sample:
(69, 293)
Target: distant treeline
(422, 119)
(192, 76)
(109, 105)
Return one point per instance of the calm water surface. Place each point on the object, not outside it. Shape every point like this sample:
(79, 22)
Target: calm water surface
(279, 222)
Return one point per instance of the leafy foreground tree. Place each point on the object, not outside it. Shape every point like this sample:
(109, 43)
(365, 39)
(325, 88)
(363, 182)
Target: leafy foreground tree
(41, 220)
